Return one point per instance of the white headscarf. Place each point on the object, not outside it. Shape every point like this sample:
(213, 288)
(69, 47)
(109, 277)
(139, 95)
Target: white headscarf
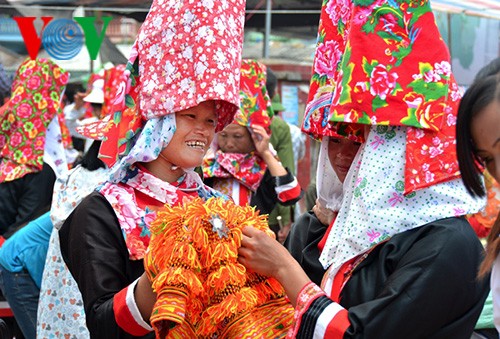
(374, 208)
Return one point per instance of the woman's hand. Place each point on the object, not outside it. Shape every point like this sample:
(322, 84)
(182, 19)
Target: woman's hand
(261, 140)
(324, 214)
(262, 254)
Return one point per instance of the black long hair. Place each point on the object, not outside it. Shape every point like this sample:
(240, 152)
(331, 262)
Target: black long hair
(479, 95)
(90, 160)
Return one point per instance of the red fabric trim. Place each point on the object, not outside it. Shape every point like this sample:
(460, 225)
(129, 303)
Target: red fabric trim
(290, 194)
(339, 324)
(244, 195)
(322, 242)
(338, 281)
(124, 317)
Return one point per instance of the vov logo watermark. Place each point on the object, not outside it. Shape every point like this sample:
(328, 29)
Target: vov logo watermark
(63, 39)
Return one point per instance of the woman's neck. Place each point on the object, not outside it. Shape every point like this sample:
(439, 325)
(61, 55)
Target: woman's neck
(164, 170)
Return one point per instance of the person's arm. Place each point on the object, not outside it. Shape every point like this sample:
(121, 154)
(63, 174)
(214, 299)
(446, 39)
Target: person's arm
(261, 141)
(94, 249)
(427, 291)
(287, 187)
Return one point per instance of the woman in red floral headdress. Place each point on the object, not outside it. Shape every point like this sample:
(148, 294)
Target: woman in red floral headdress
(242, 163)
(181, 87)
(400, 257)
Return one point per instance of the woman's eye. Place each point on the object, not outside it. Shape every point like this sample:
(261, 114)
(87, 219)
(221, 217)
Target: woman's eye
(486, 160)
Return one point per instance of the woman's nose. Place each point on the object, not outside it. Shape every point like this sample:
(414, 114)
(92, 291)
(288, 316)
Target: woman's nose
(347, 151)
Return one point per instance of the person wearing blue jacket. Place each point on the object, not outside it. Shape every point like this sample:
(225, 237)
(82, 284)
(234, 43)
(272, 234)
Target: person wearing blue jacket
(22, 259)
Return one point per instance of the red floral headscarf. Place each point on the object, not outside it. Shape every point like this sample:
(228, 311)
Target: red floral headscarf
(255, 104)
(374, 66)
(35, 101)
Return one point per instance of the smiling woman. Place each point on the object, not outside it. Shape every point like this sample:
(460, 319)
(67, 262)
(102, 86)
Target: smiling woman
(159, 131)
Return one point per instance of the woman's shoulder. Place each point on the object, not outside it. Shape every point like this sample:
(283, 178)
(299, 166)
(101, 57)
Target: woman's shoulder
(448, 235)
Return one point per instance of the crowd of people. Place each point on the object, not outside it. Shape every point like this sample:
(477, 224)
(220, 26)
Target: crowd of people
(166, 206)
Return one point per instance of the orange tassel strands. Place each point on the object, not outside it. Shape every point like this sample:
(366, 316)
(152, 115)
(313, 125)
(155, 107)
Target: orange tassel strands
(203, 291)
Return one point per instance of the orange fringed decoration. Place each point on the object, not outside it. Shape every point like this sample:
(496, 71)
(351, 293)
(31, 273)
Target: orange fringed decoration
(203, 291)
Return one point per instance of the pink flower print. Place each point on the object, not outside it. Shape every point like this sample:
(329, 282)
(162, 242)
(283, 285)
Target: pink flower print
(119, 99)
(377, 142)
(382, 82)
(24, 111)
(436, 141)
(16, 99)
(28, 152)
(16, 139)
(458, 211)
(63, 80)
(455, 95)
(373, 235)
(419, 133)
(429, 176)
(338, 10)
(28, 72)
(431, 76)
(435, 151)
(37, 122)
(362, 14)
(34, 82)
(451, 120)
(327, 57)
(395, 199)
(39, 143)
(443, 68)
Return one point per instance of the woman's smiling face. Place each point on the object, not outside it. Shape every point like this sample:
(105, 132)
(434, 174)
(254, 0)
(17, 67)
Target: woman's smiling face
(195, 129)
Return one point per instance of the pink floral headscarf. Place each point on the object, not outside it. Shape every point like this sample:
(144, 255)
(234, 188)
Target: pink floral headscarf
(185, 54)
(36, 97)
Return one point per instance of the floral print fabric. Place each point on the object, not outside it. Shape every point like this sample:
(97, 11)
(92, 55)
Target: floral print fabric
(395, 81)
(135, 215)
(60, 308)
(255, 104)
(35, 101)
(190, 52)
(247, 169)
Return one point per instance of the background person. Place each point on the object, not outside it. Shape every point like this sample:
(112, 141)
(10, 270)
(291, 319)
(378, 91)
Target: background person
(477, 132)
(242, 164)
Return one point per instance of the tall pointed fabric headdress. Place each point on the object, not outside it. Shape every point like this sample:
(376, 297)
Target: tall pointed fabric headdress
(36, 98)
(186, 53)
(255, 104)
(374, 66)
